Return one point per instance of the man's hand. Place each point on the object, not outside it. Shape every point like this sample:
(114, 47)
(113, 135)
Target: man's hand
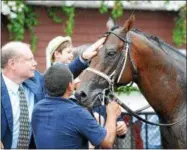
(113, 109)
(1, 145)
(92, 50)
(121, 128)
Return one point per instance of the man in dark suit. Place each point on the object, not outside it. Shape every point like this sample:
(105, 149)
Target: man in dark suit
(19, 72)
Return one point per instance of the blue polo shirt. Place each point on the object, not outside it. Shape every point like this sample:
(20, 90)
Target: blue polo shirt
(61, 123)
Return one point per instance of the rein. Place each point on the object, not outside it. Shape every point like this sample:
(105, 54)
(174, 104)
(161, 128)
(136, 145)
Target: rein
(123, 105)
(111, 79)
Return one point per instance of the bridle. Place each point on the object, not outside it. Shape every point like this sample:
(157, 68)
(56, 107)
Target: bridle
(122, 62)
(103, 96)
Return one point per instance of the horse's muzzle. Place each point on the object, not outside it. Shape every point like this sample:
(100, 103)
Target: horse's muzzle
(83, 99)
(80, 95)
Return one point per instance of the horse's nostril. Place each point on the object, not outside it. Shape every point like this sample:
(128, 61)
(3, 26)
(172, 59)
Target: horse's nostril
(79, 95)
(83, 94)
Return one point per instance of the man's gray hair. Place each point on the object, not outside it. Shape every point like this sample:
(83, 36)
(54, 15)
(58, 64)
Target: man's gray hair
(9, 51)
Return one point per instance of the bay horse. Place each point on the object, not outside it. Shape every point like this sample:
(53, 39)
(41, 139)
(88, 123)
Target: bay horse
(158, 69)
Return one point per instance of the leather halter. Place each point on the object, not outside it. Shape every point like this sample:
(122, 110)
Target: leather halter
(122, 62)
(111, 79)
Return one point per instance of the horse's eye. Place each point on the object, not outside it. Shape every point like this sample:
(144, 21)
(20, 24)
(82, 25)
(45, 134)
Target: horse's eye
(112, 53)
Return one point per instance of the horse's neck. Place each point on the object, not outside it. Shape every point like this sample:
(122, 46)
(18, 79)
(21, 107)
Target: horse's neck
(162, 82)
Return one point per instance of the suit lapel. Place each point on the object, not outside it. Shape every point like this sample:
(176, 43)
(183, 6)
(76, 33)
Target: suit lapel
(6, 104)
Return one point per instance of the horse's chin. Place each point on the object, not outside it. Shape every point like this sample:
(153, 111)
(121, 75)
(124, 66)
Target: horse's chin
(85, 102)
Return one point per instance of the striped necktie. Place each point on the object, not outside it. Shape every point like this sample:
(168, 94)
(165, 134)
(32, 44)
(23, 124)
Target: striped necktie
(23, 138)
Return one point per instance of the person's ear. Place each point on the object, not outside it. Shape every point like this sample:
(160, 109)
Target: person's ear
(57, 55)
(71, 86)
(11, 63)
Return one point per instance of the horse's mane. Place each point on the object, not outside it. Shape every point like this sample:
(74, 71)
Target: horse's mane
(160, 43)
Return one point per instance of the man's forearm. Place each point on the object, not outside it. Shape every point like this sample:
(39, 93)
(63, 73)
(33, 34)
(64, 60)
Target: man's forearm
(111, 132)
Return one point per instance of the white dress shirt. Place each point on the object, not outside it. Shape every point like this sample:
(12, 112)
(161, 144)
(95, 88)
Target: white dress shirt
(12, 88)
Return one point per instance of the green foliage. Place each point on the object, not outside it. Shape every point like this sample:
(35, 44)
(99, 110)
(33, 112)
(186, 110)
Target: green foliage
(103, 8)
(29, 23)
(126, 90)
(16, 27)
(52, 12)
(70, 12)
(33, 41)
(117, 10)
(179, 32)
(24, 19)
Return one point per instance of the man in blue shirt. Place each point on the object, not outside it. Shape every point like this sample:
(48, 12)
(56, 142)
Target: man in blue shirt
(58, 122)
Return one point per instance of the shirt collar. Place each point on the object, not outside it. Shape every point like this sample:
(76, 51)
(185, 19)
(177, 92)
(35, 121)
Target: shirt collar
(12, 86)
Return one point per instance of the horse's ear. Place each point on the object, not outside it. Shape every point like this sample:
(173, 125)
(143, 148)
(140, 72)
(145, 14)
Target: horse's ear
(110, 24)
(129, 23)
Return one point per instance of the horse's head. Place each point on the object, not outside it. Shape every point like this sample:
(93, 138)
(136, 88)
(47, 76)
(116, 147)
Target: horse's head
(106, 69)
